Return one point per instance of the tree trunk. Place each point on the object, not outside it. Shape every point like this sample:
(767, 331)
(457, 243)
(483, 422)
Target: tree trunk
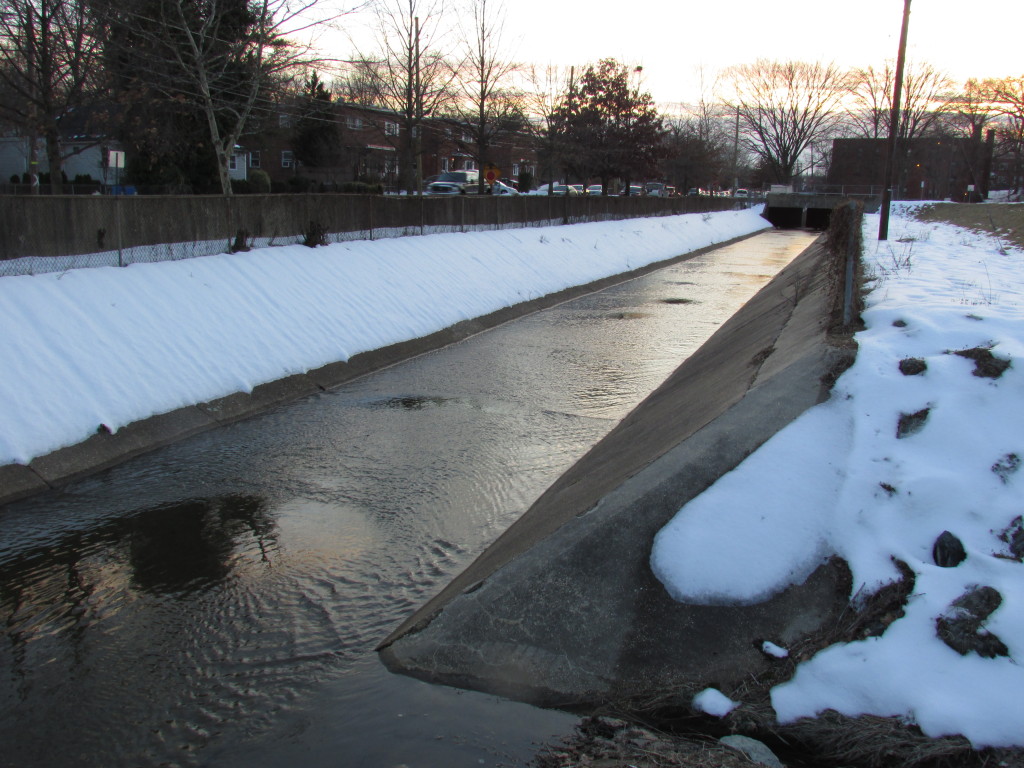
(53, 159)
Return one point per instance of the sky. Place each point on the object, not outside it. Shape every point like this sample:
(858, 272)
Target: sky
(680, 44)
(109, 345)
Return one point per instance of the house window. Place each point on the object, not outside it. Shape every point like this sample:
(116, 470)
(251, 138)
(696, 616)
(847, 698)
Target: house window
(515, 170)
(390, 129)
(417, 131)
(469, 165)
(254, 159)
(233, 163)
(445, 165)
(354, 123)
(466, 139)
(287, 158)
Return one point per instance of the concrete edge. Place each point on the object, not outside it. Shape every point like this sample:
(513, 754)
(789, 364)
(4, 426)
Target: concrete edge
(105, 449)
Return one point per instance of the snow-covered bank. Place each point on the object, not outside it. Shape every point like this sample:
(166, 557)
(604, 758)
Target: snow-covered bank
(898, 456)
(111, 346)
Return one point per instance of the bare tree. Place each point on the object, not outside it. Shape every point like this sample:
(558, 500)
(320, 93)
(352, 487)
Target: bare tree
(490, 107)
(971, 109)
(409, 74)
(783, 107)
(49, 67)
(1007, 97)
(545, 90)
(700, 146)
(922, 104)
(220, 57)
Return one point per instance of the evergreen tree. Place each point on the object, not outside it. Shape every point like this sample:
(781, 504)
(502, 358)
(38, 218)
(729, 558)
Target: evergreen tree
(316, 139)
(608, 128)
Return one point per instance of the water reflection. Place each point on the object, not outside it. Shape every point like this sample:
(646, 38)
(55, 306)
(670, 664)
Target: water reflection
(189, 546)
(171, 550)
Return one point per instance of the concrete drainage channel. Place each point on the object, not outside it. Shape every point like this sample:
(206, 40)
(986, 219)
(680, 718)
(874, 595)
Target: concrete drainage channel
(563, 610)
(105, 449)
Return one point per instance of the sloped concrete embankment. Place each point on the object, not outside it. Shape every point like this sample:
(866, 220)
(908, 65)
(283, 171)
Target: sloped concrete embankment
(104, 449)
(563, 610)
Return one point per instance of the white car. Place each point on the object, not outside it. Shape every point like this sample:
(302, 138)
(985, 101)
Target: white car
(498, 188)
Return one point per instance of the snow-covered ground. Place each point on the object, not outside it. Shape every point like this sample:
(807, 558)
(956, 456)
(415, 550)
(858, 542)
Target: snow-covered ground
(113, 345)
(845, 479)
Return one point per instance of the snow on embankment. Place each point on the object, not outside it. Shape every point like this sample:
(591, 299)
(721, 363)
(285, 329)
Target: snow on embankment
(914, 460)
(111, 346)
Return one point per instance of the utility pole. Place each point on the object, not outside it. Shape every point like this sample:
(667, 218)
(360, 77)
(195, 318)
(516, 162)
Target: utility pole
(736, 152)
(418, 96)
(894, 127)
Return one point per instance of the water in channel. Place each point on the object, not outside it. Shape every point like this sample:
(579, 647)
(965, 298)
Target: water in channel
(217, 602)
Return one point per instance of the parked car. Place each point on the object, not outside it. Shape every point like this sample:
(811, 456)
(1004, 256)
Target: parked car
(455, 183)
(557, 189)
(501, 188)
(741, 193)
(594, 189)
(560, 189)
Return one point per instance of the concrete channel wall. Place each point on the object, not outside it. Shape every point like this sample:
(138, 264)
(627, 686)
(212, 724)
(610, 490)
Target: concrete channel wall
(563, 610)
(104, 450)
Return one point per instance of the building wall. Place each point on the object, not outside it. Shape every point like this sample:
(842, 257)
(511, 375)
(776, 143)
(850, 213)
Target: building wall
(924, 169)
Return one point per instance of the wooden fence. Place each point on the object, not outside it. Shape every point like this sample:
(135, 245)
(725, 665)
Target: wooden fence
(61, 226)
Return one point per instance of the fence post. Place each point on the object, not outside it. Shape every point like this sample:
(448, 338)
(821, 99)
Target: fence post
(117, 219)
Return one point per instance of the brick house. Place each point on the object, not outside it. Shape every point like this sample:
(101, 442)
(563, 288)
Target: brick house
(373, 142)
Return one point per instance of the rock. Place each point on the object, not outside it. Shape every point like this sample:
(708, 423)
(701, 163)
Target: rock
(1014, 536)
(986, 365)
(948, 551)
(959, 626)
(1006, 466)
(753, 749)
(911, 423)
(913, 366)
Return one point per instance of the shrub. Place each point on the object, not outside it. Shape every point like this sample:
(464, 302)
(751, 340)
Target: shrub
(316, 234)
(259, 182)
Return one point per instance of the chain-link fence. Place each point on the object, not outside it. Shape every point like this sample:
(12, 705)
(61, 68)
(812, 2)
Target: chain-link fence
(58, 233)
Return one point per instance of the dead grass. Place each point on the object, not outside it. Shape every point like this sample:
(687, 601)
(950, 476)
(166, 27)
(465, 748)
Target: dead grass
(1005, 220)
